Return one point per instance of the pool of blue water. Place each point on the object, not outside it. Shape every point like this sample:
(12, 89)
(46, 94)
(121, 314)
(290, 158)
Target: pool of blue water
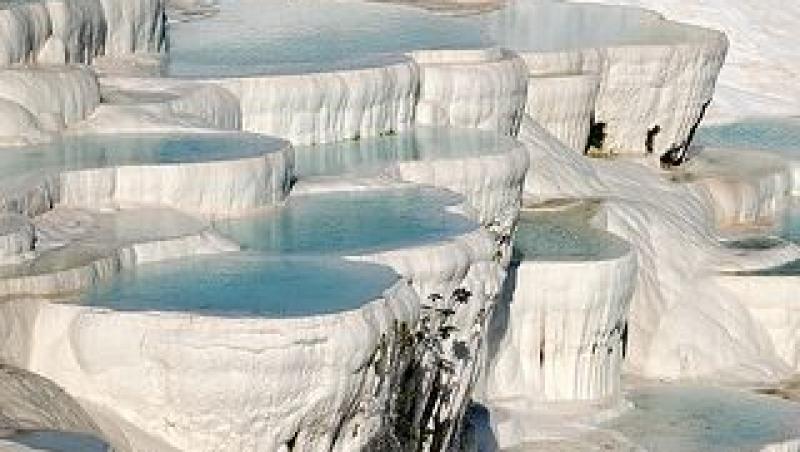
(350, 222)
(54, 441)
(368, 156)
(300, 36)
(684, 418)
(780, 135)
(524, 25)
(788, 230)
(245, 284)
(564, 235)
(96, 151)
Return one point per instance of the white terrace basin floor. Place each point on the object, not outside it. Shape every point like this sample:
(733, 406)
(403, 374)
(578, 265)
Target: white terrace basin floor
(368, 156)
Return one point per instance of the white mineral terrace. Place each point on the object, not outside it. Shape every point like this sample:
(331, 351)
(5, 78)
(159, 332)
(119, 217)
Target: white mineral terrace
(272, 225)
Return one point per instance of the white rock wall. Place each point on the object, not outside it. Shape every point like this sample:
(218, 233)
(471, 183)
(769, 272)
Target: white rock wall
(18, 126)
(490, 184)
(756, 193)
(564, 105)
(77, 31)
(681, 324)
(310, 383)
(134, 26)
(24, 28)
(331, 106)
(666, 86)
(16, 237)
(759, 73)
(772, 300)
(451, 358)
(664, 76)
(485, 89)
(56, 97)
(220, 187)
(564, 327)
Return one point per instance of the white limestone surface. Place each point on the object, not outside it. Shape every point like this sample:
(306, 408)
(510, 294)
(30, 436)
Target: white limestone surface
(157, 105)
(786, 446)
(134, 26)
(221, 188)
(75, 249)
(136, 104)
(558, 338)
(55, 96)
(563, 341)
(455, 358)
(682, 324)
(305, 383)
(772, 300)
(18, 126)
(483, 88)
(491, 184)
(16, 237)
(24, 28)
(746, 187)
(564, 105)
(77, 31)
(758, 78)
(31, 402)
(654, 73)
(324, 107)
(665, 86)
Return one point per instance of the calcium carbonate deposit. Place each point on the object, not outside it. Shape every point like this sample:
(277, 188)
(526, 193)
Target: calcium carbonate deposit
(429, 225)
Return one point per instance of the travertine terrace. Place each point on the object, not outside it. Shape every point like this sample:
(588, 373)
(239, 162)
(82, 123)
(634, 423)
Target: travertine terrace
(282, 226)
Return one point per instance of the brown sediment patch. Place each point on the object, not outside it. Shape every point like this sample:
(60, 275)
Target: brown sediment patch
(786, 390)
(454, 7)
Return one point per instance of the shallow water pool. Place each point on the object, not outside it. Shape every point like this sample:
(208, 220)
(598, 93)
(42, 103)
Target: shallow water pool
(245, 284)
(302, 36)
(524, 25)
(54, 441)
(97, 151)
(350, 222)
(564, 235)
(703, 418)
(777, 135)
(368, 156)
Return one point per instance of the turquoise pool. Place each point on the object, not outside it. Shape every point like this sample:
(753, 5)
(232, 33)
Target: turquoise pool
(703, 418)
(368, 156)
(245, 284)
(350, 222)
(564, 235)
(97, 151)
(301, 36)
(54, 441)
(524, 25)
(781, 135)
